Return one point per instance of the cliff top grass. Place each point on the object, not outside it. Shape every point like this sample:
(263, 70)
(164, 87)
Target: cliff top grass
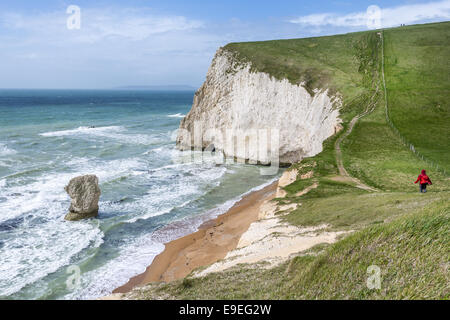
(418, 83)
(332, 62)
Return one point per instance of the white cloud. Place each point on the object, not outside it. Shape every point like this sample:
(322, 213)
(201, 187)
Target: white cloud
(390, 17)
(98, 24)
(134, 25)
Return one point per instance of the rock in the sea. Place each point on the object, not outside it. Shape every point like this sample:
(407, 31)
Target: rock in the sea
(85, 193)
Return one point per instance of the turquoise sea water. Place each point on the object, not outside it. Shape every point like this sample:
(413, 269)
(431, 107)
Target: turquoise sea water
(149, 196)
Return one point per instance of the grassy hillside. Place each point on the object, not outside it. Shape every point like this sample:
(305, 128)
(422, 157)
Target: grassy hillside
(404, 233)
(417, 79)
(376, 155)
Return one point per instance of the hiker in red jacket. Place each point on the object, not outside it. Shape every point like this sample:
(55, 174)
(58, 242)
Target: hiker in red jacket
(424, 180)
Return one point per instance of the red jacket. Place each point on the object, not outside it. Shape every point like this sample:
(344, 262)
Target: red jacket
(423, 178)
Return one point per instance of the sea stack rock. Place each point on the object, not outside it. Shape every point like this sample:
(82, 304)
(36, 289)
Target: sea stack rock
(85, 193)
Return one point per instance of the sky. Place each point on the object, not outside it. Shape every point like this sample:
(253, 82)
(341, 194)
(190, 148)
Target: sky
(167, 42)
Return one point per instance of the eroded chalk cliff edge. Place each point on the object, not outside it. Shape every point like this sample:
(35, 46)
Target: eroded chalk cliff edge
(235, 98)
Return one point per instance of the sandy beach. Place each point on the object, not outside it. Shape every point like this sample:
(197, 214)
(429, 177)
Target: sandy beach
(211, 243)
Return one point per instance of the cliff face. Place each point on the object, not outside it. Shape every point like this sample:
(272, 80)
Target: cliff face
(235, 100)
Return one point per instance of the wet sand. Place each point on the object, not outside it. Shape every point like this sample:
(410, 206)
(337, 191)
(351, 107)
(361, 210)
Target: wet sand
(209, 244)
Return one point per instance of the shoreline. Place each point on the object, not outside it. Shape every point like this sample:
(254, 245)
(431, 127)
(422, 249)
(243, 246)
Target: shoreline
(211, 243)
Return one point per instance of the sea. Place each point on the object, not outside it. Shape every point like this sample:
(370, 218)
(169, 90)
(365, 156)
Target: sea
(151, 192)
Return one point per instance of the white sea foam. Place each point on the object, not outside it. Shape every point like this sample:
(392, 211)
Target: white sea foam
(5, 151)
(191, 182)
(112, 132)
(107, 171)
(151, 214)
(177, 115)
(31, 253)
(83, 130)
(165, 152)
(5, 164)
(133, 259)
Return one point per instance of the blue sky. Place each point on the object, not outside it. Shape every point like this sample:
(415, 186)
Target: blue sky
(164, 42)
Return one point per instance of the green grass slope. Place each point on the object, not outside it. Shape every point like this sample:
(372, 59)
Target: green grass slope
(418, 83)
(404, 233)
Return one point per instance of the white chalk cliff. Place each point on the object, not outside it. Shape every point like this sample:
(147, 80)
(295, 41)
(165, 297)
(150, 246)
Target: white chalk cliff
(234, 98)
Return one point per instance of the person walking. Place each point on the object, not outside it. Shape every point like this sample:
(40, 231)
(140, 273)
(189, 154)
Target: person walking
(424, 181)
